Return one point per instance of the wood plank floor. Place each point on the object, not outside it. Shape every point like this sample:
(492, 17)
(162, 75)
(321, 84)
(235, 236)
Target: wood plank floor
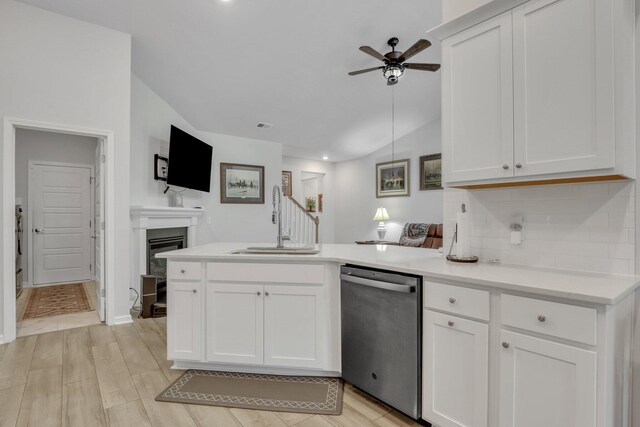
(109, 376)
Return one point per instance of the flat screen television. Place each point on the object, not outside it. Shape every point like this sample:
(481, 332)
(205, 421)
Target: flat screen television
(189, 161)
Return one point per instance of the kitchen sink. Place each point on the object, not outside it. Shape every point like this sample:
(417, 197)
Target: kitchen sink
(300, 250)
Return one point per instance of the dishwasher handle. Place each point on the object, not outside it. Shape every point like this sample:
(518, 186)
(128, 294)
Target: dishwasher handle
(378, 284)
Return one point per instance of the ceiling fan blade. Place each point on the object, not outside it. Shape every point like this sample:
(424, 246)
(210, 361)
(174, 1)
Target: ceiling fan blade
(422, 67)
(355, 73)
(371, 51)
(417, 47)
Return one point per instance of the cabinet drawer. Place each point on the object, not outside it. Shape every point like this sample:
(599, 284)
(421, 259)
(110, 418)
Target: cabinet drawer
(551, 318)
(184, 270)
(456, 299)
(265, 273)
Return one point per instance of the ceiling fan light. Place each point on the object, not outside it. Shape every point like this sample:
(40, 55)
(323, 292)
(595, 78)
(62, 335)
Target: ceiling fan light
(393, 72)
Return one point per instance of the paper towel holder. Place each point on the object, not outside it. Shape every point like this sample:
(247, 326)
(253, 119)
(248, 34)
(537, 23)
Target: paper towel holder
(455, 258)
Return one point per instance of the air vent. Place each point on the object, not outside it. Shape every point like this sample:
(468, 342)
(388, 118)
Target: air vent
(264, 125)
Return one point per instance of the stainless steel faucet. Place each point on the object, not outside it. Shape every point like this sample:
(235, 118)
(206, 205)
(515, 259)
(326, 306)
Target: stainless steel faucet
(276, 216)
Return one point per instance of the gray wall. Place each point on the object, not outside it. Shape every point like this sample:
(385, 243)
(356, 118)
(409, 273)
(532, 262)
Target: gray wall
(356, 200)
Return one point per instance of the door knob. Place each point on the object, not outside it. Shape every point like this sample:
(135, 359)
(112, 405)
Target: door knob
(39, 230)
(505, 166)
(450, 323)
(259, 293)
(518, 165)
(505, 345)
(452, 300)
(266, 294)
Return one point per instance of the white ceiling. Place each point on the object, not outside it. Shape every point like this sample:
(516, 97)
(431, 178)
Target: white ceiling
(225, 66)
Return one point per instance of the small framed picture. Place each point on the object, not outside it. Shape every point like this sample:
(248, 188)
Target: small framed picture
(287, 184)
(243, 184)
(392, 179)
(431, 172)
(320, 202)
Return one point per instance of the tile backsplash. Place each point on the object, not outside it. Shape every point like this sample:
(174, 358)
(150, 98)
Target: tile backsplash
(585, 227)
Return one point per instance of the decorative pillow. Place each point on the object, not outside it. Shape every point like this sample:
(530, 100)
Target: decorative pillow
(414, 234)
(415, 243)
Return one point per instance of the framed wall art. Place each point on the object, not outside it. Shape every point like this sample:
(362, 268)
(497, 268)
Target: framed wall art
(392, 178)
(243, 184)
(431, 172)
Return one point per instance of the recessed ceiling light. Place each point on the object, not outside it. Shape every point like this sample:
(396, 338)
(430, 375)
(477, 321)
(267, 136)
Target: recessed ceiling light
(325, 157)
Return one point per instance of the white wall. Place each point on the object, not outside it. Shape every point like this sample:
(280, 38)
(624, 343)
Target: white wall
(327, 217)
(50, 147)
(61, 70)
(151, 120)
(453, 8)
(355, 182)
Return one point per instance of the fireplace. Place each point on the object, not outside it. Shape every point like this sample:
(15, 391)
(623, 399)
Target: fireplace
(163, 240)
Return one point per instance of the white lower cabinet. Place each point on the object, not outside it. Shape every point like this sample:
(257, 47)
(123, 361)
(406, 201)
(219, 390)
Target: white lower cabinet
(265, 324)
(456, 370)
(544, 383)
(293, 331)
(235, 323)
(184, 321)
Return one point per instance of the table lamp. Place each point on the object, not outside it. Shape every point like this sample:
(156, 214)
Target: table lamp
(381, 215)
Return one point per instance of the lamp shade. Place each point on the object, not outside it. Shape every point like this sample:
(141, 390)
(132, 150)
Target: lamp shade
(381, 215)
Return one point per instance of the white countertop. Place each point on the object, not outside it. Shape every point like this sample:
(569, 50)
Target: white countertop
(578, 286)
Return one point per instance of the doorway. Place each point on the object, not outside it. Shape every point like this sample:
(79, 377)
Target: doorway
(61, 230)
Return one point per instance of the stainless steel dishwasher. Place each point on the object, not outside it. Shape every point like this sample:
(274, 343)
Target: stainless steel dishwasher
(382, 335)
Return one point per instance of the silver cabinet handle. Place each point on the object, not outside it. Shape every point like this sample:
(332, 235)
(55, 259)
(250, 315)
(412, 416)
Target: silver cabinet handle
(266, 294)
(452, 300)
(378, 284)
(505, 166)
(258, 293)
(39, 230)
(505, 345)
(450, 323)
(195, 291)
(182, 271)
(542, 318)
(518, 165)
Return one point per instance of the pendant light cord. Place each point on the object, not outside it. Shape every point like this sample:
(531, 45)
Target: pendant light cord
(393, 126)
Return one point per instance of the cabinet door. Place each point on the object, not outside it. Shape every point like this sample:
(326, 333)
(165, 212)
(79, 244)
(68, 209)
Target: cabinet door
(563, 86)
(456, 369)
(294, 326)
(543, 383)
(184, 320)
(234, 323)
(477, 102)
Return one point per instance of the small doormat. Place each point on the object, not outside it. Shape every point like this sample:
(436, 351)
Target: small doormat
(56, 300)
(307, 395)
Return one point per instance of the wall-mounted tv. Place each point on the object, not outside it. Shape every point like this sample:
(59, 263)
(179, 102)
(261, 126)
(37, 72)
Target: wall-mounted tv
(189, 161)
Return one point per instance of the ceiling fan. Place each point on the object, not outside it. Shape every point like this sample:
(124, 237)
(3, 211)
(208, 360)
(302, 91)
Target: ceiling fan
(394, 64)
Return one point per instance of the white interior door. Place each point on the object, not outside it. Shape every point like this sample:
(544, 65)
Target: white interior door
(61, 218)
(98, 230)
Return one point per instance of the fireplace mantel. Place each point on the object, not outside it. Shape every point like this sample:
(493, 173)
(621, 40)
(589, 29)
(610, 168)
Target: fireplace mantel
(144, 218)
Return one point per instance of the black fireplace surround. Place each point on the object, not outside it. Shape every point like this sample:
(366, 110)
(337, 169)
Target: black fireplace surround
(163, 240)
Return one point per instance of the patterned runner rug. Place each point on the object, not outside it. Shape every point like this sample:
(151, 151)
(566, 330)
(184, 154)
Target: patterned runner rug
(307, 395)
(55, 300)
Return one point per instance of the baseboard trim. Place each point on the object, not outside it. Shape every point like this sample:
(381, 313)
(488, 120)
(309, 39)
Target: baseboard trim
(253, 369)
(119, 320)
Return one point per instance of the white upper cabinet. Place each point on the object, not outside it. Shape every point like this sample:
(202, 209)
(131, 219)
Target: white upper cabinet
(540, 91)
(563, 86)
(477, 109)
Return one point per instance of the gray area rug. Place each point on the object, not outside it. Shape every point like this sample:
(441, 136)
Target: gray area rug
(307, 395)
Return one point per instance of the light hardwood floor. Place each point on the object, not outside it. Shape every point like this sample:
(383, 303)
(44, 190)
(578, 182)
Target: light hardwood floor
(109, 375)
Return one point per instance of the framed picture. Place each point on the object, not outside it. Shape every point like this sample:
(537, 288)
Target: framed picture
(320, 202)
(242, 184)
(431, 172)
(392, 178)
(287, 185)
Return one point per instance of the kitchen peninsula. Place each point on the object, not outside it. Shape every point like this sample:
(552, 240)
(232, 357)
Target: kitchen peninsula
(281, 314)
